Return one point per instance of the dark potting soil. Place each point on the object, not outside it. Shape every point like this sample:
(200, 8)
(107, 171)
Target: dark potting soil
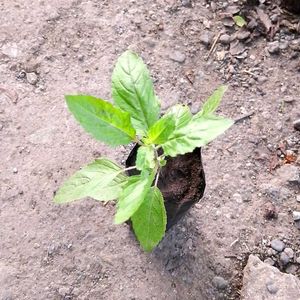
(181, 181)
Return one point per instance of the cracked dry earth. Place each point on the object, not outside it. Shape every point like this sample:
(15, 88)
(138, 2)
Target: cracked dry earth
(48, 49)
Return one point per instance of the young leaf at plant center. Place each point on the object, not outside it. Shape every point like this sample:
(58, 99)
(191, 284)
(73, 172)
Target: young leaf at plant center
(149, 221)
(132, 91)
(213, 101)
(145, 158)
(132, 196)
(197, 133)
(101, 119)
(161, 130)
(239, 21)
(102, 180)
(181, 114)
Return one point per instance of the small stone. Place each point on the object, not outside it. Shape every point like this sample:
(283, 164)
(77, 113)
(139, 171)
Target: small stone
(289, 99)
(243, 35)
(32, 78)
(233, 9)
(272, 288)
(225, 39)
(269, 261)
(284, 45)
(220, 283)
(273, 47)
(277, 245)
(296, 215)
(298, 198)
(289, 174)
(177, 56)
(206, 38)
(297, 124)
(298, 260)
(274, 18)
(284, 259)
(186, 3)
(228, 22)
(11, 50)
(289, 252)
(237, 197)
(15, 170)
(291, 269)
(262, 79)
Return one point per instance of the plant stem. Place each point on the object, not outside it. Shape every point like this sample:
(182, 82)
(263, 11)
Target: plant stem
(156, 179)
(128, 169)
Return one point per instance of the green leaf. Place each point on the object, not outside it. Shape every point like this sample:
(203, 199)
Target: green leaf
(181, 114)
(145, 158)
(197, 133)
(132, 196)
(102, 180)
(213, 101)
(161, 130)
(149, 221)
(102, 120)
(239, 21)
(132, 91)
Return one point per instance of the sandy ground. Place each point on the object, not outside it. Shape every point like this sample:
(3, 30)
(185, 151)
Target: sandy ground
(48, 49)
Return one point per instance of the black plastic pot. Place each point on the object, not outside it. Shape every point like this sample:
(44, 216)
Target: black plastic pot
(181, 181)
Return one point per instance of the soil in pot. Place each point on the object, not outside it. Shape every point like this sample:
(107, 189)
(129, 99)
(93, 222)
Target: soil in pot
(181, 181)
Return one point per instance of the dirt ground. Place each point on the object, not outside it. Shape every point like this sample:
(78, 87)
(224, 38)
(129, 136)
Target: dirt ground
(48, 49)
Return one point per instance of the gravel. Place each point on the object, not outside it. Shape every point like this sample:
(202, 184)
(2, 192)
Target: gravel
(297, 124)
(177, 56)
(225, 39)
(32, 78)
(289, 252)
(296, 215)
(273, 47)
(277, 245)
(220, 283)
(284, 259)
(206, 38)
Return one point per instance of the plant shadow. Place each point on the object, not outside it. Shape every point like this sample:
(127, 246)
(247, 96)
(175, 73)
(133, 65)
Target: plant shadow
(182, 255)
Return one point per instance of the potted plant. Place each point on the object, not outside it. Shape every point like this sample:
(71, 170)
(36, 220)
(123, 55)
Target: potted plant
(167, 152)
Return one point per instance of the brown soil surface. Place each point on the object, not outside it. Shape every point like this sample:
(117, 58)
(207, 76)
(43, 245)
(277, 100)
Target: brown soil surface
(48, 49)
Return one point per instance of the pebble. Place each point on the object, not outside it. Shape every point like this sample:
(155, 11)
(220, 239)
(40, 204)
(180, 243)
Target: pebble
(289, 99)
(284, 45)
(289, 174)
(272, 288)
(186, 3)
(11, 50)
(177, 56)
(206, 38)
(289, 252)
(297, 124)
(298, 260)
(284, 259)
(237, 198)
(220, 283)
(32, 78)
(298, 198)
(296, 215)
(277, 245)
(269, 261)
(15, 170)
(262, 79)
(291, 269)
(273, 47)
(243, 35)
(225, 39)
